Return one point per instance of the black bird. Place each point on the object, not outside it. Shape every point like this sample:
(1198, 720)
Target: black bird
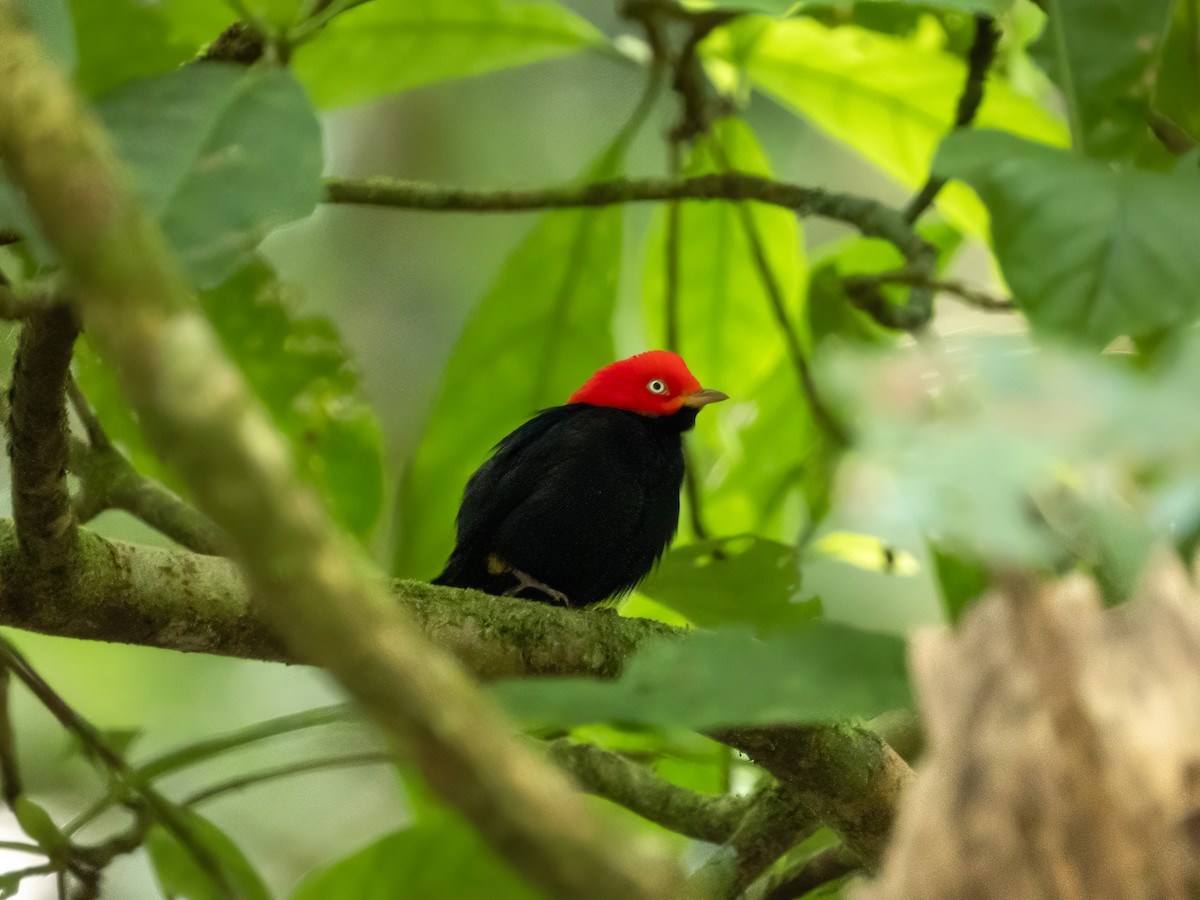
(578, 504)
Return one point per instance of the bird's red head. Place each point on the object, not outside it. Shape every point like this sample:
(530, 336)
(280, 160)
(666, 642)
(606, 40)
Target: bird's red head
(655, 383)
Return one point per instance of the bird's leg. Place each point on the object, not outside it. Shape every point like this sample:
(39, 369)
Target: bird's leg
(524, 580)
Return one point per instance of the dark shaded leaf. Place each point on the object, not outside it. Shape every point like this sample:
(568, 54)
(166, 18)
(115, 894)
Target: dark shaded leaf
(1091, 252)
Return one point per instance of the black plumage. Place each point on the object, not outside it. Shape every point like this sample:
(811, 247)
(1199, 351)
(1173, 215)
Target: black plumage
(583, 499)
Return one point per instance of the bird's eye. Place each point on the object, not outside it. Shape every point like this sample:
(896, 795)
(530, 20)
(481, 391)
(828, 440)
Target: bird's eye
(656, 386)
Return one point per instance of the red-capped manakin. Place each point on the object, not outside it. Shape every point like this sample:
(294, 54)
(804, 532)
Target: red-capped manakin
(579, 503)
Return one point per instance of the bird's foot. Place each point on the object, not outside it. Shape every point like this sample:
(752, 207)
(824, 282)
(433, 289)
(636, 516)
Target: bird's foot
(525, 580)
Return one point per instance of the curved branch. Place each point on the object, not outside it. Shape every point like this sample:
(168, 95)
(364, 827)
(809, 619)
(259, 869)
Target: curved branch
(870, 217)
(309, 582)
(37, 428)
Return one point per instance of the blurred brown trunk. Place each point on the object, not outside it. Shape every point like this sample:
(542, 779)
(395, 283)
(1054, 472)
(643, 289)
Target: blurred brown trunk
(1064, 749)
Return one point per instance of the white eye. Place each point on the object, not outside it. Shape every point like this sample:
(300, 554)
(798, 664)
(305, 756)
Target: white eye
(656, 386)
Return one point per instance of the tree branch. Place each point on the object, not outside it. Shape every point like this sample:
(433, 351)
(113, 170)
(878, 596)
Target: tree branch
(37, 429)
(979, 60)
(870, 217)
(308, 580)
(635, 787)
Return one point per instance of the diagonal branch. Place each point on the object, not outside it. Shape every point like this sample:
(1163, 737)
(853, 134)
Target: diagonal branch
(38, 436)
(309, 582)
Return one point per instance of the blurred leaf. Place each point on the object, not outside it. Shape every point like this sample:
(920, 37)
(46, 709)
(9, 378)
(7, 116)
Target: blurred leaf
(891, 99)
(195, 22)
(1125, 257)
(961, 578)
(1102, 54)
(222, 155)
(744, 580)
(279, 13)
(179, 876)
(543, 328)
(821, 671)
(1177, 85)
(304, 375)
(120, 40)
(987, 7)
(440, 859)
(37, 823)
(392, 45)
(50, 20)
(865, 551)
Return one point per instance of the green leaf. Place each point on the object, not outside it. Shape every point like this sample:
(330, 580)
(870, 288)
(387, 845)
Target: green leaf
(305, 376)
(731, 339)
(986, 7)
(961, 578)
(1177, 85)
(51, 22)
(821, 672)
(891, 99)
(1091, 252)
(222, 155)
(1102, 54)
(728, 334)
(279, 13)
(393, 45)
(542, 329)
(37, 823)
(121, 40)
(179, 876)
(746, 580)
(442, 858)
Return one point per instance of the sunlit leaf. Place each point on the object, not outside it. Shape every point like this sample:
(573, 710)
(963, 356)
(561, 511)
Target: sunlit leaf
(1102, 54)
(392, 45)
(222, 155)
(1091, 252)
(541, 330)
(737, 580)
(891, 99)
(276, 12)
(731, 338)
(820, 671)
(180, 875)
(442, 858)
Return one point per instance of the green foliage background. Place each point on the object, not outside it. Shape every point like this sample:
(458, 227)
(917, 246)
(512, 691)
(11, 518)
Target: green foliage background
(394, 348)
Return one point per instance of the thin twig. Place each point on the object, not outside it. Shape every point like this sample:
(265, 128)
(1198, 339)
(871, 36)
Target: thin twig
(635, 787)
(10, 772)
(98, 749)
(969, 295)
(95, 432)
(286, 771)
(979, 60)
(823, 867)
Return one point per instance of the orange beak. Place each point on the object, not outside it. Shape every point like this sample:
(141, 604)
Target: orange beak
(703, 397)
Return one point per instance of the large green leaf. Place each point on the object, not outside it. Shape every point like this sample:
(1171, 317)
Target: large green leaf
(891, 99)
(987, 7)
(1102, 54)
(392, 45)
(736, 580)
(439, 859)
(180, 876)
(222, 155)
(822, 671)
(729, 335)
(1091, 252)
(542, 329)
(120, 40)
(305, 377)
(1177, 85)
